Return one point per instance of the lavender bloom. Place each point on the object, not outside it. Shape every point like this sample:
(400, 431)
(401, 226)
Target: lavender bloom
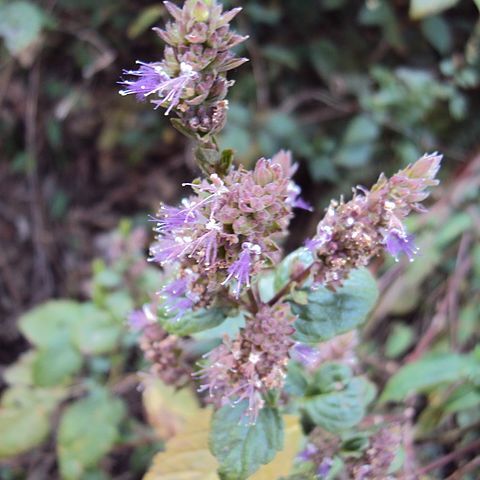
(305, 354)
(307, 453)
(241, 269)
(397, 242)
(171, 90)
(178, 299)
(139, 319)
(170, 218)
(302, 204)
(324, 468)
(150, 76)
(152, 79)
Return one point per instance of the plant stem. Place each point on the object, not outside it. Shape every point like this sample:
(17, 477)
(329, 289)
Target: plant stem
(472, 447)
(298, 279)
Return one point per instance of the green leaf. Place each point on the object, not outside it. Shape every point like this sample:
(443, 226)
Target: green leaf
(147, 17)
(399, 340)
(465, 397)
(328, 378)
(119, 304)
(296, 382)
(292, 264)
(424, 8)
(87, 432)
(24, 419)
(193, 322)
(329, 314)
(20, 373)
(437, 31)
(339, 409)
(230, 327)
(240, 447)
(56, 365)
(20, 24)
(21, 430)
(358, 142)
(97, 333)
(428, 372)
(51, 323)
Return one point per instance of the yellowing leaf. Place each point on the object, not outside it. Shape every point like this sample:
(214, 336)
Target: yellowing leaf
(169, 410)
(187, 456)
(283, 462)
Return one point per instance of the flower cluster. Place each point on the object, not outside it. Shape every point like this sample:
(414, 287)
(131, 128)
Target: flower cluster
(191, 78)
(164, 352)
(253, 363)
(352, 233)
(377, 459)
(373, 464)
(225, 233)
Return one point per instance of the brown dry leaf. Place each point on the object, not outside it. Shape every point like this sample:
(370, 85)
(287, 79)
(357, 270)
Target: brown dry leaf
(187, 456)
(168, 410)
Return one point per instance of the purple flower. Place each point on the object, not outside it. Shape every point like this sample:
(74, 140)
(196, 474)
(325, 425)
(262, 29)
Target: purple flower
(398, 242)
(299, 202)
(240, 270)
(307, 453)
(150, 76)
(139, 319)
(308, 356)
(153, 79)
(169, 248)
(171, 90)
(177, 298)
(324, 468)
(172, 217)
(323, 235)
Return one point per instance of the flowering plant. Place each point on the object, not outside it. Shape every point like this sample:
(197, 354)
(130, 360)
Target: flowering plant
(252, 330)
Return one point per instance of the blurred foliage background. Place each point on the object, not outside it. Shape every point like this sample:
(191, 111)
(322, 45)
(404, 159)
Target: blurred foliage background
(353, 88)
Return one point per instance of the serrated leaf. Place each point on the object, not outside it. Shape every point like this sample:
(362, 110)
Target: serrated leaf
(426, 373)
(193, 322)
(424, 8)
(56, 365)
(240, 447)
(20, 24)
(51, 323)
(88, 430)
(339, 410)
(329, 314)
